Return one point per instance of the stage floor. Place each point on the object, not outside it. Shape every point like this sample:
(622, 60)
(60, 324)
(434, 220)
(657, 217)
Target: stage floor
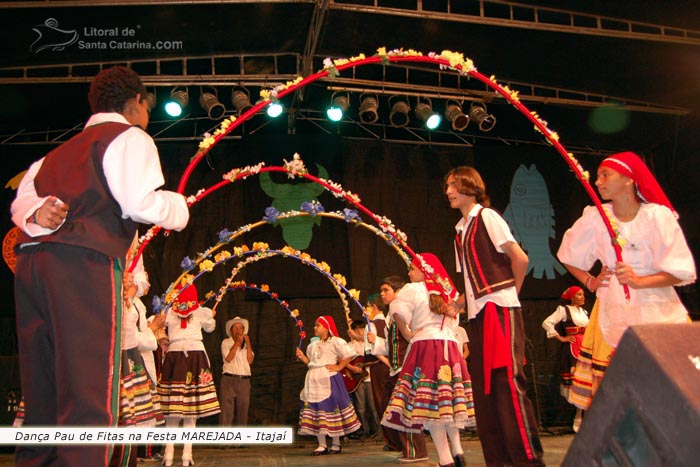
(355, 453)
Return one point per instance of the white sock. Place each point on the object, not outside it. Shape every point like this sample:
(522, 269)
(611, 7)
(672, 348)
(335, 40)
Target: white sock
(321, 440)
(455, 443)
(439, 435)
(335, 441)
(187, 447)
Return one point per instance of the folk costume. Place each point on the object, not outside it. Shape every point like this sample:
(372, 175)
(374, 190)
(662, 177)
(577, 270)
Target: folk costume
(652, 242)
(93, 173)
(504, 415)
(327, 409)
(394, 346)
(186, 386)
(567, 320)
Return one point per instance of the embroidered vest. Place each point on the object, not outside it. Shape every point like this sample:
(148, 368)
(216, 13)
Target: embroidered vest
(74, 173)
(488, 270)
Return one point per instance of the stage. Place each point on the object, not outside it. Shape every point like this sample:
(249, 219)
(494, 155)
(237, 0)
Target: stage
(367, 453)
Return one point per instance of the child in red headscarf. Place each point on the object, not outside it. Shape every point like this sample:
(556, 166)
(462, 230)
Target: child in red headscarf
(186, 386)
(567, 324)
(433, 390)
(655, 258)
(327, 408)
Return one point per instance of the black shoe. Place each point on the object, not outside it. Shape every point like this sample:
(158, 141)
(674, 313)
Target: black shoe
(460, 461)
(320, 451)
(336, 449)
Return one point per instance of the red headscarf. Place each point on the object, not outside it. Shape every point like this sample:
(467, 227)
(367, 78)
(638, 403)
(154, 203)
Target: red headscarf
(570, 292)
(186, 303)
(437, 280)
(631, 165)
(328, 322)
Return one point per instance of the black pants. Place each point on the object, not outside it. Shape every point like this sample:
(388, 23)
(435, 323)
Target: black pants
(504, 418)
(68, 302)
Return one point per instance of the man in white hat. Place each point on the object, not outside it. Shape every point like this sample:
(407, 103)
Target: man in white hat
(234, 392)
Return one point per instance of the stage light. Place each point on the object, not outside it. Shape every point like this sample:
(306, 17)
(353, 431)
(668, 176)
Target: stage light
(424, 111)
(478, 113)
(458, 119)
(209, 101)
(241, 99)
(339, 105)
(179, 98)
(368, 108)
(398, 115)
(274, 110)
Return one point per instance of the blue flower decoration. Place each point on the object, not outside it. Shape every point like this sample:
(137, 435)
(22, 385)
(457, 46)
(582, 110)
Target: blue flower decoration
(186, 264)
(271, 215)
(157, 304)
(224, 236)
(416, 377)
(313, 207)
(351, 215)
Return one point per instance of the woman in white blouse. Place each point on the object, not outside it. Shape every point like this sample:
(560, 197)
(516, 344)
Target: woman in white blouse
(655, 258)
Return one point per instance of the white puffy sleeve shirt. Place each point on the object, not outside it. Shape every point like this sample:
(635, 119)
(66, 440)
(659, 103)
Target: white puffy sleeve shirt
(654, 243)
(317, 386)
(190, 337)
(133, 172)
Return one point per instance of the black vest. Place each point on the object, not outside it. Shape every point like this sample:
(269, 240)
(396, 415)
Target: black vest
(74, 173)
(488, 270)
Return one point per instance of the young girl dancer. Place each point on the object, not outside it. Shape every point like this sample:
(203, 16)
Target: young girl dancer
(186, 386)
(655, 258)
(434, 388)
(327, 408)
(567, 325)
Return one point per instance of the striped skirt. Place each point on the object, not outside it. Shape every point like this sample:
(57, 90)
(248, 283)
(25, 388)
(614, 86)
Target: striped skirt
(592, 363)
(186, 386)
(433, 387)
(138, 400)
(334, 416)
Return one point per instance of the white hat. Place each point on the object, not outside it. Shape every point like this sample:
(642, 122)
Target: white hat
(235, 320)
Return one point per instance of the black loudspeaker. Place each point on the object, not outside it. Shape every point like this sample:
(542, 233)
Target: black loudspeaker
(647, 409)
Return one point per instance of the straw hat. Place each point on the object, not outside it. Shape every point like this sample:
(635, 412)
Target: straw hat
(235, 320)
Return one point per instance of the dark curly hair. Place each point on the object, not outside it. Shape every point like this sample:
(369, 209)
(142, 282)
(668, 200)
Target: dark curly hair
(111, 88)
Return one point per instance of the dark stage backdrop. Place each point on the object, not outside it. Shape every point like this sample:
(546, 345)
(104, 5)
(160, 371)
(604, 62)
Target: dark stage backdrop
(531, 185)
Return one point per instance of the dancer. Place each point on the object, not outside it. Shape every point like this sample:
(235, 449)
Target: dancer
(393, 348)
(567, 325)
(327, 409)
(186, 386)
(433, 389)
(494, 268)
(87, 188)
(655, 258)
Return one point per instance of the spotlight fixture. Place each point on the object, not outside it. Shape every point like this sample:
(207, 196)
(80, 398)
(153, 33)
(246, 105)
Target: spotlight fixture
(458, 119)
(275, 109)
(368, 108)
(478, 113)
(398, 115)
(424, 111)
(179, 98)
(209, 100)
(339, 105)
(241, 99)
